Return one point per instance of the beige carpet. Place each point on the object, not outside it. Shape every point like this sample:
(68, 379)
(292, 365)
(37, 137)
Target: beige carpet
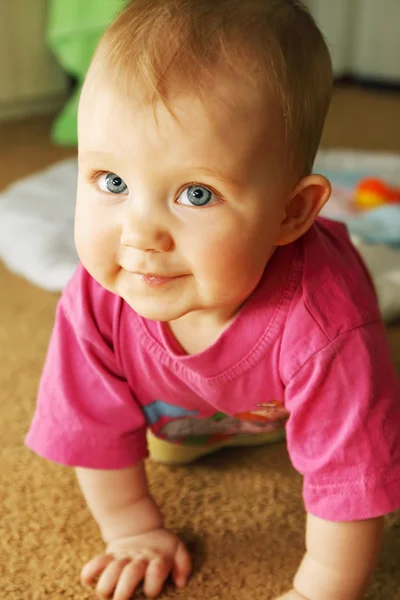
(239, 511)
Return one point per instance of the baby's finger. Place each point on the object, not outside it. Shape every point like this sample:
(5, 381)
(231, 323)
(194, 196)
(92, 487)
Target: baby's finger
(94, 567)
(182, 566)
(109, 578)
(131, 576)
(157, 572)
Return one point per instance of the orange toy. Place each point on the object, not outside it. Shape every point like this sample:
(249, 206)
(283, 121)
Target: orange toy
(373, 192)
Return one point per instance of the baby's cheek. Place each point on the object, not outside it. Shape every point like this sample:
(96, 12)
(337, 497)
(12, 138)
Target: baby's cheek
(217, 262)
(222, 252)
(93, 247)
(231, 261)
(81, 239)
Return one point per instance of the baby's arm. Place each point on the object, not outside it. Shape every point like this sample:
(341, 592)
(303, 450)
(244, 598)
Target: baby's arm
(120, 501)
(339, 561)
(131, 524)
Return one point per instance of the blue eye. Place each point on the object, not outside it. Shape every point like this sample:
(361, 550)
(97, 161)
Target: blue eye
(112, 184)
(196, 195)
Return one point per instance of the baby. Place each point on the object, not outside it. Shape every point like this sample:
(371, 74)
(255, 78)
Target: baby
(211, 307)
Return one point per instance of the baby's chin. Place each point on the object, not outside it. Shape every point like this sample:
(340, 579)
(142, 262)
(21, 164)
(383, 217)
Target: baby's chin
(156, 309)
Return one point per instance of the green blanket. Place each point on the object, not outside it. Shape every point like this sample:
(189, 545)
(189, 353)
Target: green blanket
(74, 29)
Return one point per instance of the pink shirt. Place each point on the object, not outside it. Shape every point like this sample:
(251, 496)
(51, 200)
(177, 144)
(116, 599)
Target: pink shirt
(309, 343)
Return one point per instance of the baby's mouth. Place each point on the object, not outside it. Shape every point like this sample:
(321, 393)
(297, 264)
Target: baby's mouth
(155, 280)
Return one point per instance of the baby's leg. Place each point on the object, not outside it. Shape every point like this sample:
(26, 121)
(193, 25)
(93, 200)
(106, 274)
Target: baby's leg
(168, 453)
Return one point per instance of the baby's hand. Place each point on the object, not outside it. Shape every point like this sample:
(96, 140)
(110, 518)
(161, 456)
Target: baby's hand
(150, 557)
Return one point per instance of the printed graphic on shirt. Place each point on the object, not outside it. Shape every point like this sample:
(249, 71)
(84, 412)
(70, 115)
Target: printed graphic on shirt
(183, 427)
(159, 409)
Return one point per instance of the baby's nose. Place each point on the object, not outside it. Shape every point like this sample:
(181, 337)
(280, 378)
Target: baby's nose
(146, 237)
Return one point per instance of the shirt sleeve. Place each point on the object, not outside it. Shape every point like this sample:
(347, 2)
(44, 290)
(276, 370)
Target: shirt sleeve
(343, 434)
(86, 414)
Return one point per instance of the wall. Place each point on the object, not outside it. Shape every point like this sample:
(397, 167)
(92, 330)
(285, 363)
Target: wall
(31, 80)
(363, 36)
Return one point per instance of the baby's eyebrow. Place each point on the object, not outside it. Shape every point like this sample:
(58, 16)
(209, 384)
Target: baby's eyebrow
(228, 178)
(90, 155)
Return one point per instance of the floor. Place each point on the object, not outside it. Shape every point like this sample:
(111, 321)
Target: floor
(240, 512)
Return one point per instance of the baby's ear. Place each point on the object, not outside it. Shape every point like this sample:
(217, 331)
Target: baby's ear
(302, 207)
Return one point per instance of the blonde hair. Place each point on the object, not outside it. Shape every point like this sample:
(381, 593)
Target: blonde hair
(154, 44)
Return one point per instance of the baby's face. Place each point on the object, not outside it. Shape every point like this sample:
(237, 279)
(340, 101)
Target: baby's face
(179, 215)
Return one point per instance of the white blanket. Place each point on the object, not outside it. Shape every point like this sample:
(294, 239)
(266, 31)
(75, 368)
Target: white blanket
(36, 226)
(36, 233)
